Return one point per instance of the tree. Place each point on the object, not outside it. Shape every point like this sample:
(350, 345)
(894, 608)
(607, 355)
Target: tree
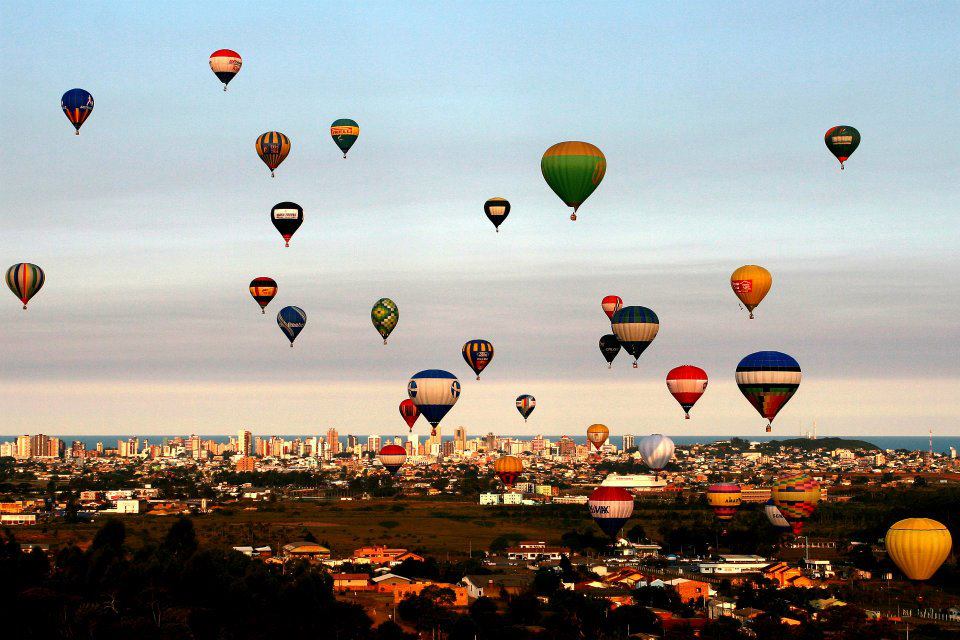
(181, 539)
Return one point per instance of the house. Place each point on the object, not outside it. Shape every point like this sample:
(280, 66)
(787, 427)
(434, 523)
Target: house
(384, 555)
(18, 519)
(730, 564)
(690, 590)
(786, 576)
(343, 582)
(306, 550)
(401, 592)
(255, 552)
(388, 582)
(535, 550)
(719, 606)
(495, 585)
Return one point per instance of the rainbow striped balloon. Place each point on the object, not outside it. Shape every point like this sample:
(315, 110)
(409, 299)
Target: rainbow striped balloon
(25, 279)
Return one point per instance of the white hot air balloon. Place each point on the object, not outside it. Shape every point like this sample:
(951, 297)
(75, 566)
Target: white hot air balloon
(775, 517)
(656, 450)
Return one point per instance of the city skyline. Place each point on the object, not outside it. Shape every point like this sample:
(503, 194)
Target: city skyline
(156, 217)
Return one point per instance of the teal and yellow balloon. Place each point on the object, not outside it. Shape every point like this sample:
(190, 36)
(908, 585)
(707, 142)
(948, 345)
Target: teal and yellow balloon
(385, 316)
(344, 133)
(573, 170)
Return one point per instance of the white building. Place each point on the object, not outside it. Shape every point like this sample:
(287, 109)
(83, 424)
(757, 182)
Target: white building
(637, 482)
(489, 498)
(734, 564)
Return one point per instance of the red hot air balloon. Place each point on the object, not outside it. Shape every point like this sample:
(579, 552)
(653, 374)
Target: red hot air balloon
(687, 383)
(610, 507)
(409, 412)
(392, 457)
(610, 305)
(724, 498)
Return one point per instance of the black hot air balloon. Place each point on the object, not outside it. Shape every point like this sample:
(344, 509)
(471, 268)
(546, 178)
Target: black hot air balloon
(287, 218)
(609, 347)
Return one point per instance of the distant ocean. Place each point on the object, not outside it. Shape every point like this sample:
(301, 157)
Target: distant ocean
(941, 444)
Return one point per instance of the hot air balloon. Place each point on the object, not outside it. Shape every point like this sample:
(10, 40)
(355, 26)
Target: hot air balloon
(508, 469)
(609, 347)
(434, 391)
(774, 516)
(687, 383)
(611, 507)
(291, 321)
(384, 316)
(573, 170)
(478, 354)
(796, 495)
(768, 379)
(635, 328)
(724, 498)
(918, 546)
(25, 279)
(273, 148)
(525, 405)
(287, 218)
(751, 283)
(344, 133)
(610, 305)
(77, 105)
(597, 434)
(842, 141)
(225, 63)
(409, 412)
(392, 457)
(263, 290)
(656, 451)
(497, 210)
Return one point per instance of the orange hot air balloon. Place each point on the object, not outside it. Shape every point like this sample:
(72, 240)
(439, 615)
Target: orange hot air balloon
(751, 283)
(610, 305)
(918, 546)
(508, 469)
(597, 434)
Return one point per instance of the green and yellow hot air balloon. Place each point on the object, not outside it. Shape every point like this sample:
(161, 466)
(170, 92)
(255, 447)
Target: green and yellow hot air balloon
(385, 316)
(573, 170)
(344, 133)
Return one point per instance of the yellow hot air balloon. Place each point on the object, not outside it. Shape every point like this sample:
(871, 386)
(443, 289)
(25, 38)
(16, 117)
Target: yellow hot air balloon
(751, 283)
(597, 434)
(918, 546)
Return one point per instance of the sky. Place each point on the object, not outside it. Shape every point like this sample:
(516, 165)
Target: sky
(152, 222)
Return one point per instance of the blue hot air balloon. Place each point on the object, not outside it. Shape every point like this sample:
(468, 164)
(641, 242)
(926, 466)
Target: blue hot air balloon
(434, 391)
(635, 328)
(768, 379)
(77, 105)
(291, 321)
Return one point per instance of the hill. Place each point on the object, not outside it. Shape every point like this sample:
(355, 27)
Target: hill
(820, 443)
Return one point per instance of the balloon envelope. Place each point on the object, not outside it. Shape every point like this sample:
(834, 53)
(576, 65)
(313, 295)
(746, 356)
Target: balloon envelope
(225, 64)
(77, 105)
(287, 218)
(918, 546)
(392, 457)
(497, 210)
(409, 412)
(573, 170)
(508, 469)
(842, 141)
(635, 328)
(724, 498)
(385, 316)
(273, 148)
(796, 495)
(610, 508)
(263, 290)
(25, 280)
(609, 347)
(525, 405)
(656, 450)
(344, 133)
(686, 384)
(434, 391)
(768, 379)
(610, 305)
(774, 516)
(751, 283)
(478, 354)
(597, 434)
(291, 321)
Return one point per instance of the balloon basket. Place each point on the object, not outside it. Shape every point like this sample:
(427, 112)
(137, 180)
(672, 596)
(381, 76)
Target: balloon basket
(384, 341)
(573, 216)
(263, 311)
(635, 365)
(77, 132)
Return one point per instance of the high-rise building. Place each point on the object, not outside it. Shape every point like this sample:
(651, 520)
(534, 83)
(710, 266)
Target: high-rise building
(567, 446)
(491, 442)
(447, 448)
(536, 444)
(460, 439)
(373, 444)
(627, 442)
(77, 449)
(333, 441)
(24, 446)
(244, 443)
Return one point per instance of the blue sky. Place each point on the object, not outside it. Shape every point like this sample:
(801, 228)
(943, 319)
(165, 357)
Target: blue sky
(151, 223)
